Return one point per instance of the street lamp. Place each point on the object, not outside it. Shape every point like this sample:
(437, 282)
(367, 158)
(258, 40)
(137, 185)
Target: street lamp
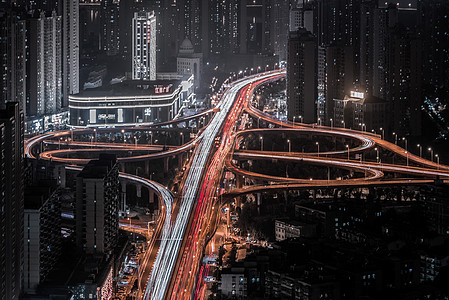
(332, 123)
(95, 134)
(347, 147)
(343, 122)
(123, 133)
(182, 137)
(300, 119)
(137, 119)
(318, 145)
(319, 121)
(294, 117)
(438, 160)
(383, 133)
(405, 140)
(431, 153)
(395, 138)
(261, 143)
(420, 150)
(406, 155)
(289, 146)
(377, 154)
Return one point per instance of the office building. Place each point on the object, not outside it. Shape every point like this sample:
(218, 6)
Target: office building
(42, 235)
(144, 46)
(11, 201)
(361, 112)
(301, 76)
(97, 202)
(71, 49)
(44, 88)
(189, 62)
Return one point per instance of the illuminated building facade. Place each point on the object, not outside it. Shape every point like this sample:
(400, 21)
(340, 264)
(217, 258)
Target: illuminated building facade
(44, 89)
(144, 46)
(133, 102)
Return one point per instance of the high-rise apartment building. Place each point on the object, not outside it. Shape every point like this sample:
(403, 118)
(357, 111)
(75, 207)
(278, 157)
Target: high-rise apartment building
(44, 89)
(71, 49)
(144, 46)
(111, 27)
(11, 201)
(13, 58)
(97, 203)
(280, 23)
(42, 236)
(301, 76)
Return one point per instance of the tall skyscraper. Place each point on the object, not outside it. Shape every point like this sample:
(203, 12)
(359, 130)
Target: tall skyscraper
(71, 50)
(111, 27)
(44, 89)
(301, 76)
(13, 58)
(144, 46)
(42, 244)
(97, 202)
(280, 23)
(11, 201)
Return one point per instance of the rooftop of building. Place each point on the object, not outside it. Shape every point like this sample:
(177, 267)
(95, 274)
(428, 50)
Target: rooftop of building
(99, 168)
(37, 194)
(132, 88)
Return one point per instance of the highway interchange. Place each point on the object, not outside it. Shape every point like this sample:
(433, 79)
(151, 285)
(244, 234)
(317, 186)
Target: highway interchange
(188, 221)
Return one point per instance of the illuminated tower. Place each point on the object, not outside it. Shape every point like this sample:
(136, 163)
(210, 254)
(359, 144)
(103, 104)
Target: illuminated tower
(144, 46)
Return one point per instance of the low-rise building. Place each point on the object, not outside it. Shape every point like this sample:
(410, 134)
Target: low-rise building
(233, 283)
(131, 102)
(285, 229)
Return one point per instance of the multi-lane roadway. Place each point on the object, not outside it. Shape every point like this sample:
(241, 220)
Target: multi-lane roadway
(189, 221)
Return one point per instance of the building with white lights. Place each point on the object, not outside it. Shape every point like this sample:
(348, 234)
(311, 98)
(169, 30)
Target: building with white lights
(71, 49)
(144, 46)
(357, 111)
(189, 62)
(132, 102)
(97, 192)
(44, 88)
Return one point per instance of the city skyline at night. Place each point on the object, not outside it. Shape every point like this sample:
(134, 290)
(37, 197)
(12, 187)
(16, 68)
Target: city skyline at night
(224, 149)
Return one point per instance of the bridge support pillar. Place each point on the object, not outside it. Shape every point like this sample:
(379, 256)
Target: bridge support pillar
(147, 168)
(151, 195)
(259, 202)
(181, 160)
(166, 161)
(239, 184)
(123, 204)
(139, 190)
